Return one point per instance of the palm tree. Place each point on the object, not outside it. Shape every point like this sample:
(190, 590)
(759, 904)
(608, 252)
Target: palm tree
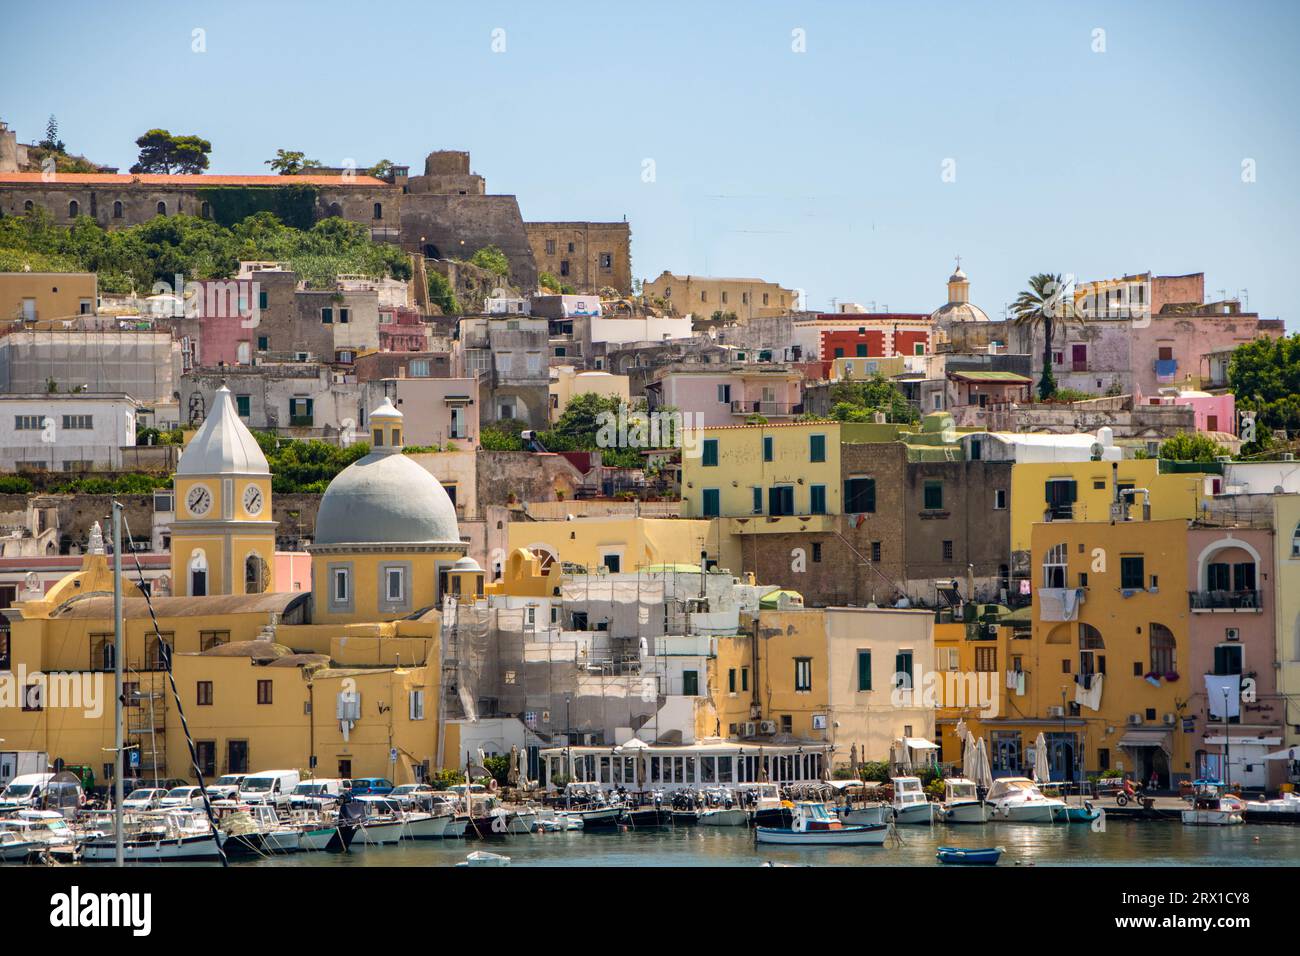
(1046, 302)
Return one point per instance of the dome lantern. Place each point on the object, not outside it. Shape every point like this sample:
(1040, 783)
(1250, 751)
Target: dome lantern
(386, 429)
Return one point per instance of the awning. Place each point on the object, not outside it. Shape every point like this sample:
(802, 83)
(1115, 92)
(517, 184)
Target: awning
(919, 743)
(1291, 753)
(1137, 739)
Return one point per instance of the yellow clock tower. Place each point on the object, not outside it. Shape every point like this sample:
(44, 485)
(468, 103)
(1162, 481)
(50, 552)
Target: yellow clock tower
(223, 538)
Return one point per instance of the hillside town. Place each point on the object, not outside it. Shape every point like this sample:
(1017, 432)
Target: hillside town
(411, 489)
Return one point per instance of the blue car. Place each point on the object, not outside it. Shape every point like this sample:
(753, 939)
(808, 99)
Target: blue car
(377, 786)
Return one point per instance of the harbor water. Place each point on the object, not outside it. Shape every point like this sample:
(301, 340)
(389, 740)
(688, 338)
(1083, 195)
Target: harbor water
(1122, 844)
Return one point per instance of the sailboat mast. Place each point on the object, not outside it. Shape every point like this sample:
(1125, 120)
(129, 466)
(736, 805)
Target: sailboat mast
(118, 762)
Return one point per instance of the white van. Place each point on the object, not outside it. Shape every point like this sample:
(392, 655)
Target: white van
(269, 786)
(25, 791)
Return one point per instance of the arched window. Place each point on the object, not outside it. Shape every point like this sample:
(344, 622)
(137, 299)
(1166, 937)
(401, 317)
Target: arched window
(255, 577)
(1054, 566)
(27, 206)
(117, 209)
(162, 208)
(1091, 646)
(335, 209)
(205, 210)
(1164, 656)
(379, 210)
(74, 208)
(198, 573)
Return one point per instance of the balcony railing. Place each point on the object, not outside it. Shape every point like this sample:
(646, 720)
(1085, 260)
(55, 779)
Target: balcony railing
(740, 407)
(1226, 600)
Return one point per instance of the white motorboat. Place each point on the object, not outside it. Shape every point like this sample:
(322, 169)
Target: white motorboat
(723, 817)
(483, 858)
(257, 829)
(34, 831)
(383, 821)
(1213, 806)
(961, 802)
(158, 837)
(868, 814)
(421, 825)
(910, 802)
(456, 827)
(1018, 800)
(814, 825)
(1286, 806)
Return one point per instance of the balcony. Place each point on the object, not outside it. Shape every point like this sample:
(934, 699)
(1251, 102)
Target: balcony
(1231, 601)
(766, 409)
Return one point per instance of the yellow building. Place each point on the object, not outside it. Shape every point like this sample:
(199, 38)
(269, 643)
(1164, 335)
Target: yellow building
(1083, 491)
(771, 681)
(223, 536)
(866, 650)
(1110, 648)
(342, 681)
(1286, 587)
(41, 296)
(615, 543)
(701, 296)
(790, 468)
(568, 382)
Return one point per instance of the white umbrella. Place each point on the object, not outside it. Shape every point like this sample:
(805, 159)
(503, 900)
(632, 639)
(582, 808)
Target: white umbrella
(984, 770)
(962, 733)
(969, 758)
(1042, 773)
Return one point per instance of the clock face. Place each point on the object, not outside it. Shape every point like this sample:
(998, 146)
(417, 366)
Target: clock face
(253, 500)
(199, 500)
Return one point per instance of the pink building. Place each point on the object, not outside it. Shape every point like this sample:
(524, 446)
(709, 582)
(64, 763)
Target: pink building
(435, 411)
(402, 330)
(1176, 348)
(1232, 648)
(226, 317)
(730, 396)
(1215, 414)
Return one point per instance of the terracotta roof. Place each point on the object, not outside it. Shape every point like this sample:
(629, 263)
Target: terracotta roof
(154, 179)
(821, 422)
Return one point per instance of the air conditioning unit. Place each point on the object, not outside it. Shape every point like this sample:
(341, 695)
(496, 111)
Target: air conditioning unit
(1232, 634)
(1134, 720)
(1170, 720)
(767, 726)
(750, 728)
(1056, 711)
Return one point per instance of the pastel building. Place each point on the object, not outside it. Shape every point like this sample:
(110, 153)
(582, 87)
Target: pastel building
(730, 396)
(1230, 570)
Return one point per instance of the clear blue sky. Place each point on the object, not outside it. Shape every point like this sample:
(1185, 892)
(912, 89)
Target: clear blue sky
(820, 169)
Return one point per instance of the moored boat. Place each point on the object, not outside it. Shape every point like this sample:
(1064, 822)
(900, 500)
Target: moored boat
(1018, 800)
(985, 856)
(910, 802)
(1213, 806)
(815, 826)
(723, 817)
(961, 802)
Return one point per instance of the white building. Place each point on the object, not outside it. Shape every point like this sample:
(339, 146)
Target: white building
(66, 432)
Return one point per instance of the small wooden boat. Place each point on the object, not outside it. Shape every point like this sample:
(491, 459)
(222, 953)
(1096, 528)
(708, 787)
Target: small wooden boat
(1213, 806)
(985, 856)
(724, 817)
(815, 826)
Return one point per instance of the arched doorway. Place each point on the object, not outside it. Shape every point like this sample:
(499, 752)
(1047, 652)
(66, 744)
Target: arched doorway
(431, 251)
(255, 576)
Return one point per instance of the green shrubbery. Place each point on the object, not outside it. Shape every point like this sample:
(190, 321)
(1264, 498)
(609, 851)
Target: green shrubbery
(136, 257)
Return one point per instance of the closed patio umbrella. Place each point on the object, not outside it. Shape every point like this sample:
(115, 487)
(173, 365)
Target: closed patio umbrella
(962, 733)
(984, 772)
(853, 760)
(1042, 772)
(512, 775)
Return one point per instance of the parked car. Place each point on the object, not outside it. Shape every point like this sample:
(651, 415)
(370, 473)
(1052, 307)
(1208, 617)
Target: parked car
(182, 797)
(145, 798)
(318, 794)
(226, 787)
(411, 794)
(377, 786)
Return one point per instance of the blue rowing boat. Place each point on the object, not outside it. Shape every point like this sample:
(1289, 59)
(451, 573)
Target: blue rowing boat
(981, 857)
